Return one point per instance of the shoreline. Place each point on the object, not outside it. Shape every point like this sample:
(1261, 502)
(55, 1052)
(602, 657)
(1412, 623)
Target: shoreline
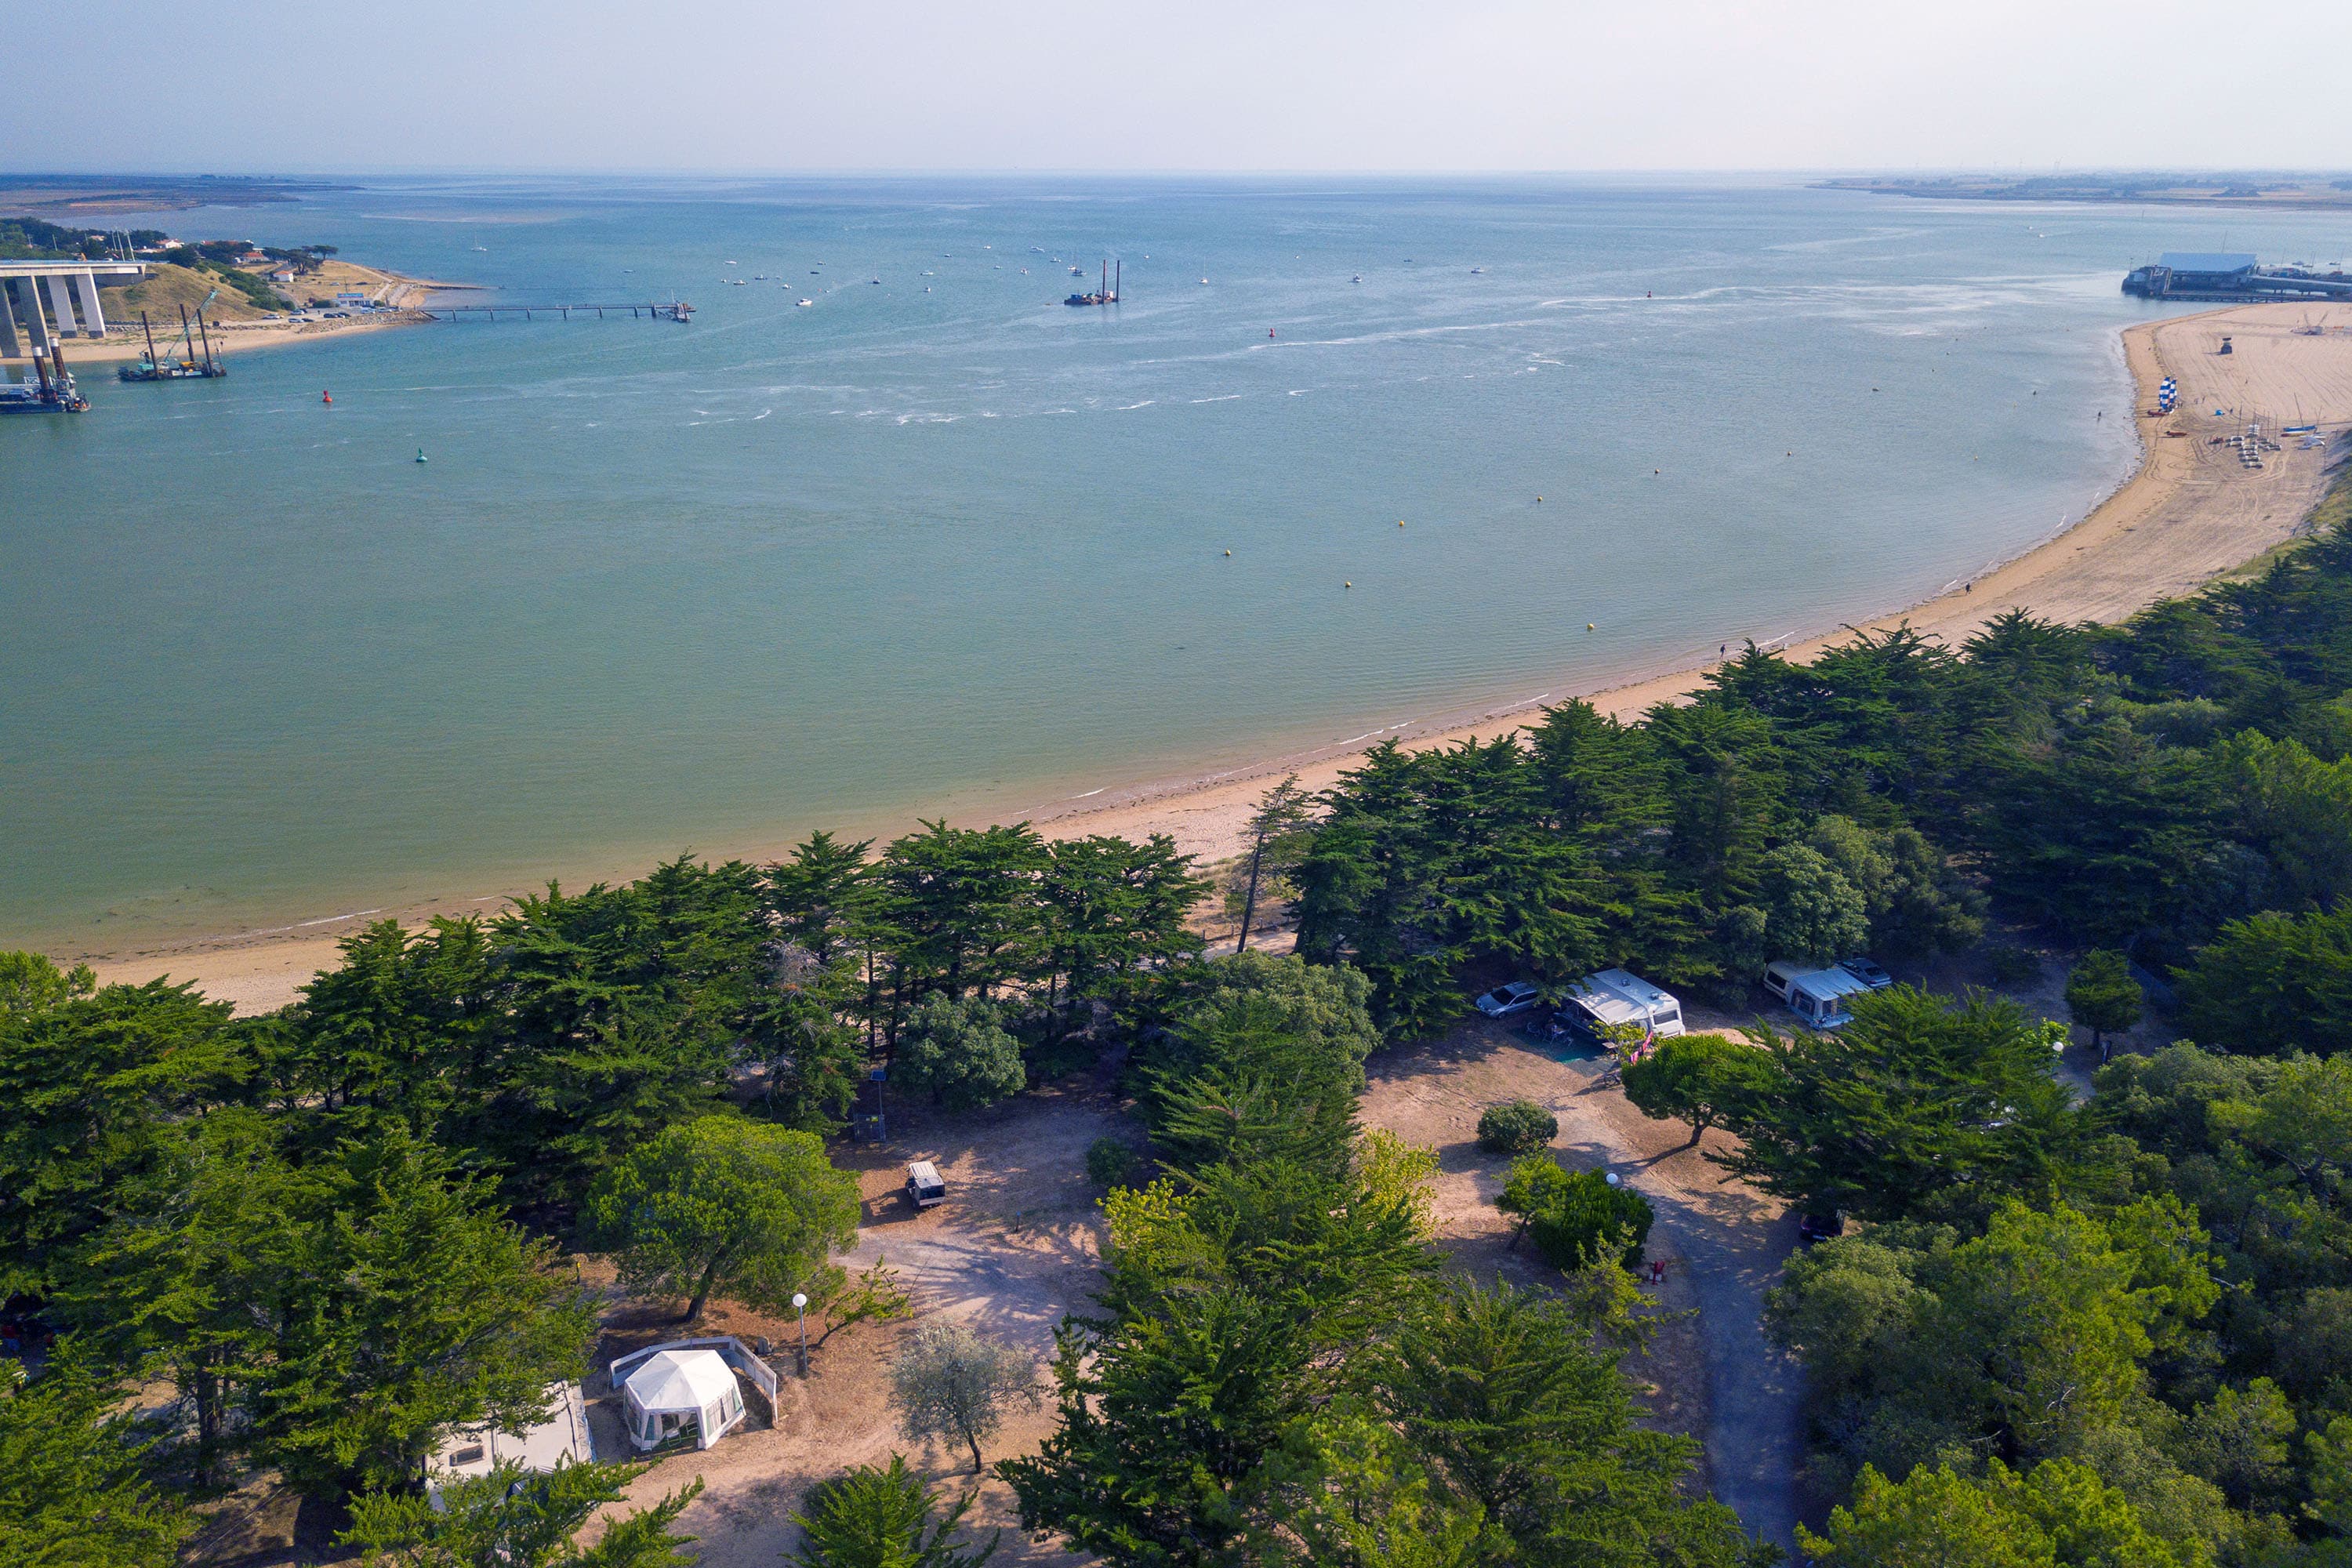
(404, 293)
(2201, 516)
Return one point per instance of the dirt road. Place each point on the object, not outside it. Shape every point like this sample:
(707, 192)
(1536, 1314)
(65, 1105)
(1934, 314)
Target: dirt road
(1723, 1244)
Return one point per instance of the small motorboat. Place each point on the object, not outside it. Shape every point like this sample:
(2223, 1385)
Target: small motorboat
(808, 301)
(1359, 277)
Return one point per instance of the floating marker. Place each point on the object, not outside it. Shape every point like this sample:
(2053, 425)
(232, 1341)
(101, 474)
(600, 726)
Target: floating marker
(1588, 625)
(326, 397)
(1229, 552)
(420, 454)
(1347, 584)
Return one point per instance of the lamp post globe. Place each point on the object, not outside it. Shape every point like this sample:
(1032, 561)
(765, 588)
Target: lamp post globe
(800, 1305)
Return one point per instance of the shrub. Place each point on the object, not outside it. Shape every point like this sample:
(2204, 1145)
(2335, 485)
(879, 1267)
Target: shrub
(1109, 1163)
(1516, 1127)
(2011, 965)
(1577, 1218)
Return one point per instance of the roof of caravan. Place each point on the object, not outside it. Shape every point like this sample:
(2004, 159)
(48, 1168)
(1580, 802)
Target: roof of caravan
(1827, 985)
(1615, 996)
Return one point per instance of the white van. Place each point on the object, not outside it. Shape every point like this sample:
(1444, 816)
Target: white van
(1614, 997)
(924, 1186)
(1817, 996)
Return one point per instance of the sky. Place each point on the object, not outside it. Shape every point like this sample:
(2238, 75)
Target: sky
(785, 86)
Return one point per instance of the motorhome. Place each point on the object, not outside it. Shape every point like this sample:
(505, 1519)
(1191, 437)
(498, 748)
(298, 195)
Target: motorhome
(1815, 995)
(1614, 997)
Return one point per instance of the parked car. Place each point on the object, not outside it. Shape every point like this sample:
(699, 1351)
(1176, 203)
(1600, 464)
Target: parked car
(1868, 971)
(924, 1185)
(1505, 1000)
(1813, 1227)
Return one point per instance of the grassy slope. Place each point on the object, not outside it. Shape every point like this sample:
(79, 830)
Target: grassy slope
(166, 287)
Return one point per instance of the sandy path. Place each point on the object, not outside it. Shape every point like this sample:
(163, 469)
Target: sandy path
(1012, 1251)
(2189, 514)
(1723, 1245)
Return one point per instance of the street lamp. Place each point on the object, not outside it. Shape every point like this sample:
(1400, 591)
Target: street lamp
(800, 1305)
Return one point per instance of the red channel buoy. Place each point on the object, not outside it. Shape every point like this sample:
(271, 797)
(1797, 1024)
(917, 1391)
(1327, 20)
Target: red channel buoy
(326, 397)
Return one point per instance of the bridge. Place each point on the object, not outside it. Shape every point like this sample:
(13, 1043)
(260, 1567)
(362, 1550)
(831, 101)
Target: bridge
(30, 331)
(69, 284)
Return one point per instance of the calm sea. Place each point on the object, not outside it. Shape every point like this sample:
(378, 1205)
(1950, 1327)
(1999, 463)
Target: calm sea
(940, 544)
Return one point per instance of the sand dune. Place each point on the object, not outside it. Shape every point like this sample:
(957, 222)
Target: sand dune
(2190, 512)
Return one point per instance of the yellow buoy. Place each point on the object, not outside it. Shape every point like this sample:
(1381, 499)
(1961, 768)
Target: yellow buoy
(1347, 584)
(1399, 522)
(1588, 625)
(1229, 552)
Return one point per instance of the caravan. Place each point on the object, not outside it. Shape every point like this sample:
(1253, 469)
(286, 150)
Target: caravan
(1815, 995)
(1614, 997)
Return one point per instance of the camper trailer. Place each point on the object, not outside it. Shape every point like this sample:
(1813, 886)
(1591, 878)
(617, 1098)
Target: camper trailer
(1614, 997)
(1817, 996)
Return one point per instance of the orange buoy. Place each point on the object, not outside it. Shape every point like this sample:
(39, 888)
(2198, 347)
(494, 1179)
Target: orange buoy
(326, 397)
(1269, 331)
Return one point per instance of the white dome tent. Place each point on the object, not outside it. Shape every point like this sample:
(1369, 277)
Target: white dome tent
(679, 1392)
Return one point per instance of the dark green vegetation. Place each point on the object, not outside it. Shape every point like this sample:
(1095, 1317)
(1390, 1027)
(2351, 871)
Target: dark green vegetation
(340, 1231)
(877, 1517)
(1515, 1127)
(2069, 1332)
(31, 239)
(1277, 1373)
(2139, 787)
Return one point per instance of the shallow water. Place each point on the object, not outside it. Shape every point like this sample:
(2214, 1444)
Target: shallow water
(945, 544)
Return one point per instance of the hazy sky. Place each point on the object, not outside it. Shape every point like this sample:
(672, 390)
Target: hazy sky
(1571, 85)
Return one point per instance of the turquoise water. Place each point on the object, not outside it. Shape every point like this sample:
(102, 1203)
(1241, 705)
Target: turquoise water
(944, 545)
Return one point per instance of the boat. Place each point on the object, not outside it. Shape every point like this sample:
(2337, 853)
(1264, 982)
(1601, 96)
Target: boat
(1077, 272)
(194, 365)
(1108, 294)
(1359, 277)
(808, 301)
(1475, 271)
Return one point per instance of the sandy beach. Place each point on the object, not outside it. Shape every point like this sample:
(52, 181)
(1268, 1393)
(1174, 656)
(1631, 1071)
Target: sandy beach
(403, 294)
(2189, 514)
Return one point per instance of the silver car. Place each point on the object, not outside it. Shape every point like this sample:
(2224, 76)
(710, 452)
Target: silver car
(1505, 1000)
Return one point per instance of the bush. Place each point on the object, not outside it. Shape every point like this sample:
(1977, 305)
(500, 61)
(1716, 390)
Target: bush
(1109, 1163)
(2011, 965)
(1576, 1218)
(1516, 1127)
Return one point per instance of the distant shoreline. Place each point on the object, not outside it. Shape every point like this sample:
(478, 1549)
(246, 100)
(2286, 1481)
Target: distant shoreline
(2188, 191)
(2182, 517)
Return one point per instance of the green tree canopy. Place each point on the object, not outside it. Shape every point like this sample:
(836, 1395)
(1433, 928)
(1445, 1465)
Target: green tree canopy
(959, 1053)
(408, 1306)
(72, 1490)
(2101, 997)
(1698, 1078)
(514, 1518)
(873, 1516)
(724, 1204)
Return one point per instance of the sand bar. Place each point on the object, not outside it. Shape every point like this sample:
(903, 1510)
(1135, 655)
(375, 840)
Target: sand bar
(2190, 512)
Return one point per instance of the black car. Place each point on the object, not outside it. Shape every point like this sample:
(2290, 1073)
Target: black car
(1813, 1227)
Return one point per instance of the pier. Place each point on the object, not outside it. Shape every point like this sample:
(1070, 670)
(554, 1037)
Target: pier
(676, 312)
